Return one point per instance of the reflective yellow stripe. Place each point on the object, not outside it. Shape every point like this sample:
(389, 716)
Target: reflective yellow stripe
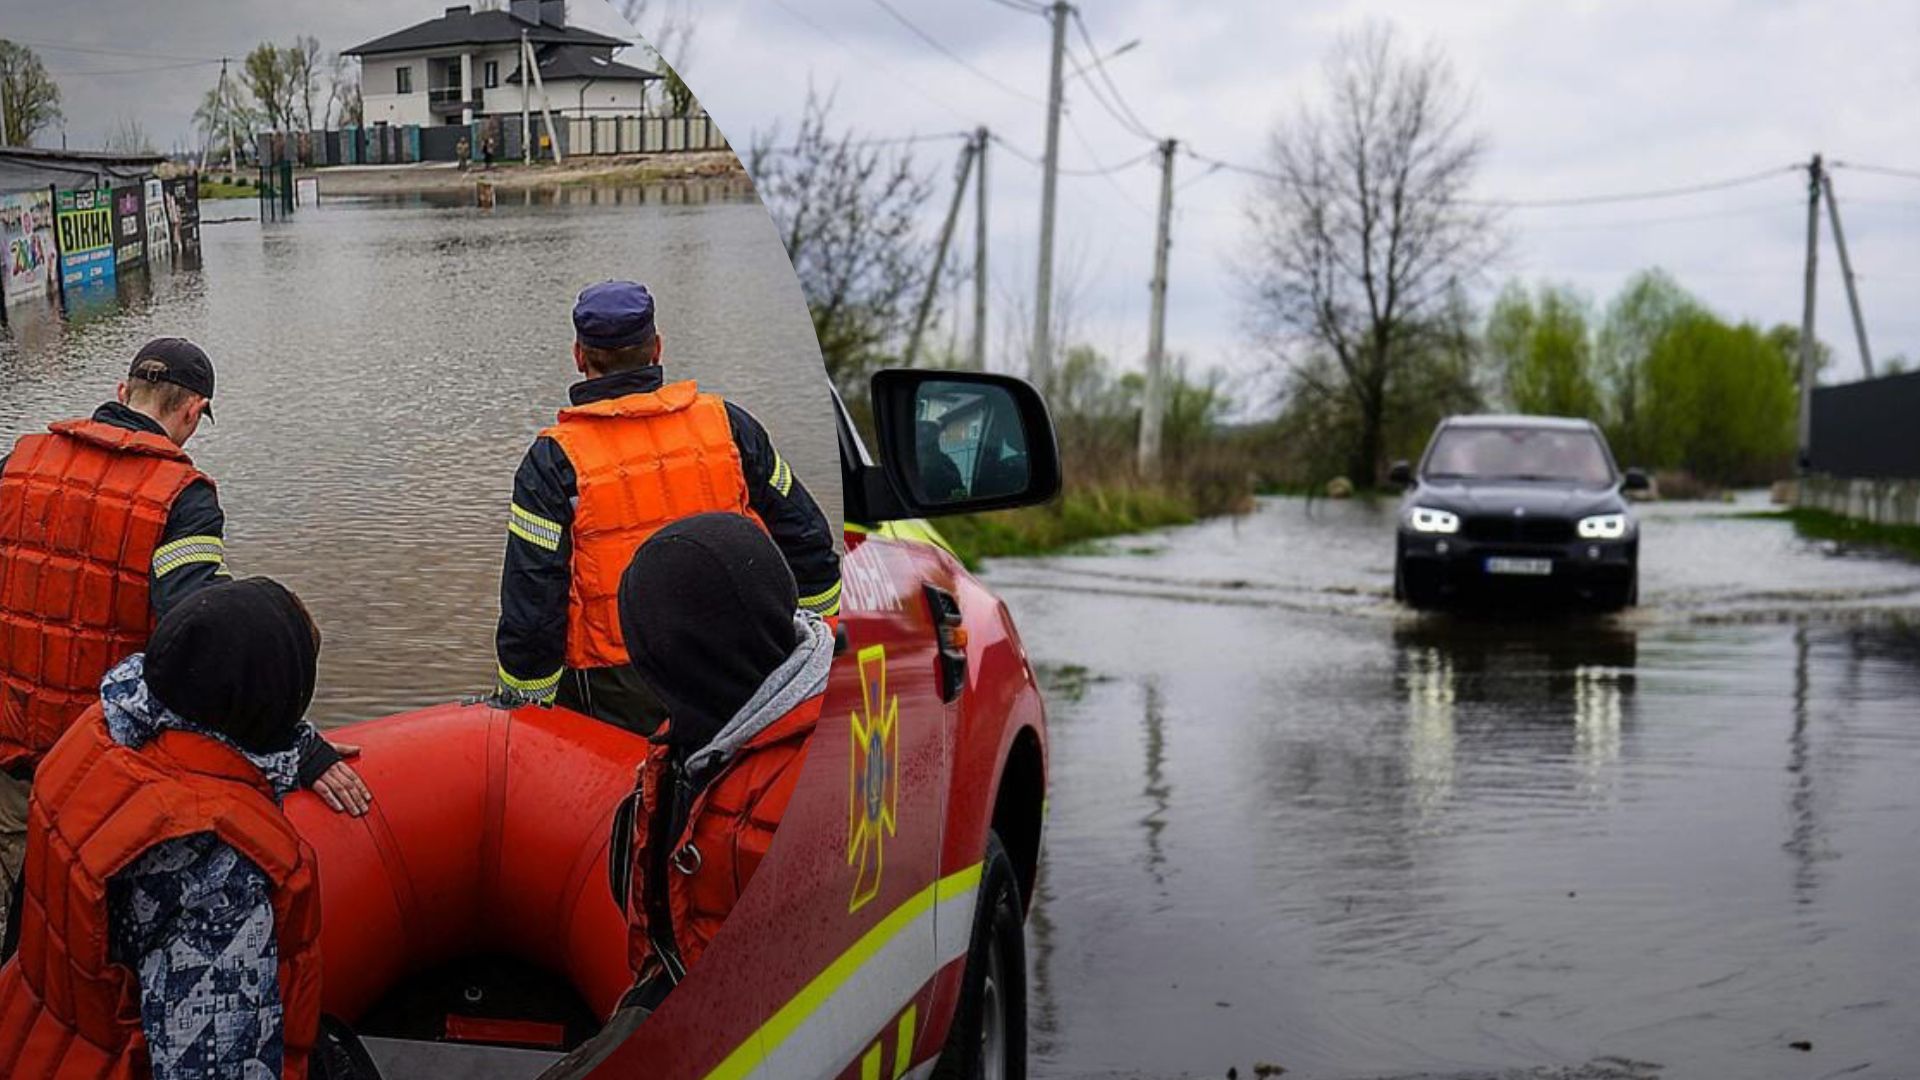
(903, 1042)
(781, 1026)
(533, 538)
(909, 531)
(186, 552)
(539, 688)
(782, 478)
(823, 603)
(534, 529)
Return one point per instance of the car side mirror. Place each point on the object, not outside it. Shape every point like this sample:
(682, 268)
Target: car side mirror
(1636, 480)
(961, 442)
(1401, 475)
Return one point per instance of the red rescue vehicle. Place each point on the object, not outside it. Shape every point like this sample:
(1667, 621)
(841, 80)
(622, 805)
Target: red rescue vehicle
(471, 925)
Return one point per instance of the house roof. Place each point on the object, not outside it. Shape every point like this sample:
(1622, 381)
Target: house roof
(461, 27)
(580, 62)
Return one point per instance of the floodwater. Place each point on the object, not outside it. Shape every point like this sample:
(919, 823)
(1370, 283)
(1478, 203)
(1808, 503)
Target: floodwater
(1293, 825)
(384, 364)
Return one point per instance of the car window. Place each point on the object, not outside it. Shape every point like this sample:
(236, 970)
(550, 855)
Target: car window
(1519, 453)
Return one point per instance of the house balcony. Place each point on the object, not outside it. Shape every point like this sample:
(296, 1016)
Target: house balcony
(451, 100)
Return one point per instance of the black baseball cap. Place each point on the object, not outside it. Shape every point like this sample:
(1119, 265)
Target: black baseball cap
(181, 363)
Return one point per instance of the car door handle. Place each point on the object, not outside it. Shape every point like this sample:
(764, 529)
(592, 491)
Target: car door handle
(950, 634)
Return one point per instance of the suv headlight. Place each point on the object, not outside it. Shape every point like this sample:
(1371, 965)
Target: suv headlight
(1603, 527)
(1426, 519)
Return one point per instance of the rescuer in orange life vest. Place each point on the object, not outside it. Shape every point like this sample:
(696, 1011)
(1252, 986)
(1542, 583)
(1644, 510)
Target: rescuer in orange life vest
(170, 921)
(105, 526)
(707, 608)
(632, 454)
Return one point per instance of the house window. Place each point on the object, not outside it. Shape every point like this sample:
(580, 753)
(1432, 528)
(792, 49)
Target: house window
(403, 80)
(493, 74)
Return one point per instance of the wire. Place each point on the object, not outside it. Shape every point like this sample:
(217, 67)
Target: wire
(1884, 170)
(942, 49)
(1133, 121)
(1532, 204)
(861, 144)
(783, 5)
(113, 52)
(1023, 8)
(130, 71)
(1039, 163)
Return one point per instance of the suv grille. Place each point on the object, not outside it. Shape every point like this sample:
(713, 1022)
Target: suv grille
(1525, 530)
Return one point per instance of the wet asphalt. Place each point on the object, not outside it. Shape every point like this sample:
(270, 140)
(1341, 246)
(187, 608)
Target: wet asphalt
(1295, 826)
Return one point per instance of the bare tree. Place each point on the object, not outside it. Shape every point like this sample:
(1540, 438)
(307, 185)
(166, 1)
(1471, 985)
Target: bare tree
(666, 26)
(1363, 233)
(850, 217)
(32, 98)
(303, 72)
(129, 136)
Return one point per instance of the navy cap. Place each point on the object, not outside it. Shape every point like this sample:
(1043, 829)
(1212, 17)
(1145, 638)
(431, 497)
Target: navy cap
(177, 361)
(614, 315)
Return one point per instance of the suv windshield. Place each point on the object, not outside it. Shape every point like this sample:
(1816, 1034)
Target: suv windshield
(1519, 453)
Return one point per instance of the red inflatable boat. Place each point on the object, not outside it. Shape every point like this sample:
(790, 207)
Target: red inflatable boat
(471, 903)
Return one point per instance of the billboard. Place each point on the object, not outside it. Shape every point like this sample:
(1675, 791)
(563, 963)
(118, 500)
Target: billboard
(183, 216)
(159, 229)
(129, 226)
(83, 222)
(29, 257)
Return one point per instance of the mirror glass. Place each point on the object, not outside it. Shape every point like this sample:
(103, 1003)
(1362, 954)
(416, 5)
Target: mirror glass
(970, 444)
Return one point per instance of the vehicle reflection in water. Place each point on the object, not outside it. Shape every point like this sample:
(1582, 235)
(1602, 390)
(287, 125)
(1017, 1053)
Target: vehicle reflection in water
(383, 365)
(1326, 835)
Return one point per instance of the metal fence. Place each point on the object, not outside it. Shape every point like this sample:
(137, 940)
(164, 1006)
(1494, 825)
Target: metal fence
(385, 144)
(1868, 430)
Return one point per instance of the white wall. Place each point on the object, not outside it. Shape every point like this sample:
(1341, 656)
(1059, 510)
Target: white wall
(379, 102)
(601, 98)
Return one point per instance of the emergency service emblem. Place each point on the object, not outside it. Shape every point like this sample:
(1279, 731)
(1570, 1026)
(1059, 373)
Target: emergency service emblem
(873, 785)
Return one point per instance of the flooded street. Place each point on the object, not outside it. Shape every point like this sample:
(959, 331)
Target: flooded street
(1294, 825)
(384, 364)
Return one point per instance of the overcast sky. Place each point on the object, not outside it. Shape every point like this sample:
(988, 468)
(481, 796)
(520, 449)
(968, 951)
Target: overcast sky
(1575, 98)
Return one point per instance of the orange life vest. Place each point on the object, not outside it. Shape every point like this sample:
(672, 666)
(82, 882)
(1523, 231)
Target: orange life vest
(66, 1008)
(641, 462)
(728, 829)
(82, 510)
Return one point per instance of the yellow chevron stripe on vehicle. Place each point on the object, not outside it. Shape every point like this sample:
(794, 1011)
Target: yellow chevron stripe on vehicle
(782, 1025)
(909, 531)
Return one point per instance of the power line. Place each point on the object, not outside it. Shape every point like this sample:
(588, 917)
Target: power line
(1544, 203)
(1132, 122)
(941, 48)
(112, 52)
(1023, 8)
(862, 144)
(130, 71)
(1884, 170)
(806, 20)
(1034, 160)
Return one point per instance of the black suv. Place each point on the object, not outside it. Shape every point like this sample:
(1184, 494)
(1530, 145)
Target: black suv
(1504, 506)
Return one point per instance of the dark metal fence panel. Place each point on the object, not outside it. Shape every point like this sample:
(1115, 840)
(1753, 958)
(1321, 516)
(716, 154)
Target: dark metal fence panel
(443, 143)
(1868, 429)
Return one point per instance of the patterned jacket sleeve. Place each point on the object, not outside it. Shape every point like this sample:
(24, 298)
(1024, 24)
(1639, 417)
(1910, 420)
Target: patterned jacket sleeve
(803, 533)
(194, 919)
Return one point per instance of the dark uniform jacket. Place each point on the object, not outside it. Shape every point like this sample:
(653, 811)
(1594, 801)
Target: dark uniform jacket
(532, 637)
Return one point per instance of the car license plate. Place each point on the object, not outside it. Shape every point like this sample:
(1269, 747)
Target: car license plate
(1522, 567)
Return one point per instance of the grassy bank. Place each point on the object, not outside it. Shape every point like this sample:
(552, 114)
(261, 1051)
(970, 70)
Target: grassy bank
(1077, 517)
(220, 189)
(1824, 525)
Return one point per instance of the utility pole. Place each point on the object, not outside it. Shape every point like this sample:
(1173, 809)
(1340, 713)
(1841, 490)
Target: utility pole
(1806, 314)
(6, 127)
(546, 103)
(940, 254)
(1846, 272)
(1041, 363)
(980, 250)
(1153, 404)
(526, 104)
(226, 113)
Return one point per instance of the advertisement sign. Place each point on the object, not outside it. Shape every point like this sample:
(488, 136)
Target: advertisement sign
(129, 226)
(183, 215)
(83, 221)
(29, 258)
(159, 230)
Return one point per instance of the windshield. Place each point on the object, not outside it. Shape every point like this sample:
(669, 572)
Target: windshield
(1519, 453)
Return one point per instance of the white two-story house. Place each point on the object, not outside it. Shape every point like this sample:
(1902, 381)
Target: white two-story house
(466, 65)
